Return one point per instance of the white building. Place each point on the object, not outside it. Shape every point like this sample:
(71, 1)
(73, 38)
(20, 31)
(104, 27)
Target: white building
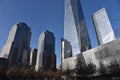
(105, 53)
(103, 26)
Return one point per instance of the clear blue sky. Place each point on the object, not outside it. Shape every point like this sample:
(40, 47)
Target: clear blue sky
(49, 14)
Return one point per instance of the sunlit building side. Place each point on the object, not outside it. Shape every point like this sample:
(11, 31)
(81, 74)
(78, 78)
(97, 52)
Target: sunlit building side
(70, 32)
(103, 27)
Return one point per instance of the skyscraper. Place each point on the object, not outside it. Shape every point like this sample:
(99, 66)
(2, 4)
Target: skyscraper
(34, 57)
(17, 49)
(73, 8)
(66, 49)
(103, 27)
(46, 58)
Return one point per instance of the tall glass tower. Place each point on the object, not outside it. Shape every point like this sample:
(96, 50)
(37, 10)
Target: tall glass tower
(34, 57)
(103, 27)
(73, 11)
(17, 49)
(46, 58)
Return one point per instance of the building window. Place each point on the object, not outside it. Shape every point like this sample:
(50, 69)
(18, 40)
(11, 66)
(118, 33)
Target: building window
(117, 52)
(102, 53)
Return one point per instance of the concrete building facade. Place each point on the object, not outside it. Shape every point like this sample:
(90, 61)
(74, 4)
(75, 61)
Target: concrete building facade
(107, 53)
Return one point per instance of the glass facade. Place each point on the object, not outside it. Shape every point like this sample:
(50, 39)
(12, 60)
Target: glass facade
(17, 48)
(46, 52)
(75, 29)
(70, 32)
(103, 26)
(81, 28)
(67, 50)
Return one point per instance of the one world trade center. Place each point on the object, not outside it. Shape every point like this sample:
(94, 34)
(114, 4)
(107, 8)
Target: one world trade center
(74, 25)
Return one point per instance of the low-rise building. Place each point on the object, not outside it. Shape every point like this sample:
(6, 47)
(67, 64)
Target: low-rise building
(105, 54)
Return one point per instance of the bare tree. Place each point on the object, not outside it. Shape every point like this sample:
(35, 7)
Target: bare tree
(91, 68)
(113, 67)
(2, 71)
(12, 72)
(102, 69)
(81, 69)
